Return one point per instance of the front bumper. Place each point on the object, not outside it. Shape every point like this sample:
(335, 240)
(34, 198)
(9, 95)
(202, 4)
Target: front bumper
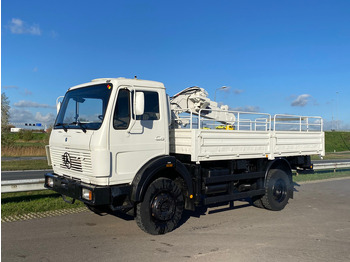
(101, 195)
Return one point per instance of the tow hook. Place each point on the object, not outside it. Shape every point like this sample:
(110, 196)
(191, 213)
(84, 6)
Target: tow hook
(67, 201)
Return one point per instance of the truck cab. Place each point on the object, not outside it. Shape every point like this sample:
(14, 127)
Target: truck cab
(98, 131)
(105, 131)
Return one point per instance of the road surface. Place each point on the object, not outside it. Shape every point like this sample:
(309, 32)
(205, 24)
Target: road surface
(315, 226)
(23, 174)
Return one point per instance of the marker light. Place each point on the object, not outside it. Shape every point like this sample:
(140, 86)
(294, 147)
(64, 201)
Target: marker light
(86, 194)
(49, 182)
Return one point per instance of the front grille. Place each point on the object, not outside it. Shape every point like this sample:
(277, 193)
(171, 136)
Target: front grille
(72, 161)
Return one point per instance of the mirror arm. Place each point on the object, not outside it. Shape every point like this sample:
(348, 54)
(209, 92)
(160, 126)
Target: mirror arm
(132, 120)
(58, 103)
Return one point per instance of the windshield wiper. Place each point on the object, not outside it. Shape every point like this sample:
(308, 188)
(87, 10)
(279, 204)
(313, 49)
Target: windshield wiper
(63, 126)
(80, 125)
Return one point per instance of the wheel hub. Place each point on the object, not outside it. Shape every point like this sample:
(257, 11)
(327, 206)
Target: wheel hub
(279, 190)
(163, 207)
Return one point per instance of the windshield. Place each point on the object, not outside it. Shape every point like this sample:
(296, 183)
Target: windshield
(84, 108)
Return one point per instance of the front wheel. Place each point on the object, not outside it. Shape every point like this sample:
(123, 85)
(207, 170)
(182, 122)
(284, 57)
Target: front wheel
(277, 187)
(162, 207)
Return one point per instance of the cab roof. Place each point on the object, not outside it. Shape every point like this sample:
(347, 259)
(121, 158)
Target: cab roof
(121, 81)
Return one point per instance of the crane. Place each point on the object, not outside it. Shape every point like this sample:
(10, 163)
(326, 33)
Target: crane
(194, 100)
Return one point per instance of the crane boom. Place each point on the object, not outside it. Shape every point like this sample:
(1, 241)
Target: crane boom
(195, 100)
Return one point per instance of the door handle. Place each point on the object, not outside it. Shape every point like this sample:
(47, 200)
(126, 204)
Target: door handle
(160, 138)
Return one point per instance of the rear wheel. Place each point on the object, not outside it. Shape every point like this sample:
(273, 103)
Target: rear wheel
(162, 207)
(276, 190)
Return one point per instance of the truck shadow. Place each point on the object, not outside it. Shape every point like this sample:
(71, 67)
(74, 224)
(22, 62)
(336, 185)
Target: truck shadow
(213, 209)
(295, 185)
(198, 212)
(222, 207)
(187, 214)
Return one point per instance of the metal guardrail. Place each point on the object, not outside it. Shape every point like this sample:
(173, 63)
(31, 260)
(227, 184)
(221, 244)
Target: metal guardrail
(10, 186)
(38, 184)
(334, 166)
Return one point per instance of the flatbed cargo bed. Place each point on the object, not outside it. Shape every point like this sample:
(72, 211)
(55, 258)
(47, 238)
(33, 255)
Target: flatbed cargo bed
(209, 145)
(204, 144)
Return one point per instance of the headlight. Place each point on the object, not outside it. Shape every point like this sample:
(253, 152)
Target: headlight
(49, 181)
(86, 194)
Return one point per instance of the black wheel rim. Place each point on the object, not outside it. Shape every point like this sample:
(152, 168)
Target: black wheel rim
(163, 206)
(279, 191)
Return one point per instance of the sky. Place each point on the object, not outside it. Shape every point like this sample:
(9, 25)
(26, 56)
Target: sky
(288, 57)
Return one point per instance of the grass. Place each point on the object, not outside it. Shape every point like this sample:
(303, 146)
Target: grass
(20, 145)
(33, 202)
(321, 175)
(23, 150)
(24, 165)
(332, 156)
(337, 141)
(34, 136)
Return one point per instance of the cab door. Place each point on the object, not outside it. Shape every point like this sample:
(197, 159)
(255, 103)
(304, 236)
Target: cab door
(134, 140)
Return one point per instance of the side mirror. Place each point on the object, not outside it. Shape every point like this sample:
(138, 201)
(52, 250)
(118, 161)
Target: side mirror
(58, 106)
(139, 107)
(58, 103)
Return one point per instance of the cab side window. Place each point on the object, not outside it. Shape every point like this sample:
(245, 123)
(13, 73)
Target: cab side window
(151, 107)
(121, 118)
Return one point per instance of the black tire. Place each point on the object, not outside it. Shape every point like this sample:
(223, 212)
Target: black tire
(257, 202)
(277, 189)
(161, 208)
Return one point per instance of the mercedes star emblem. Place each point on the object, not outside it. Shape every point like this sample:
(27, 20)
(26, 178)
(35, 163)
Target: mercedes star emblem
(67, 160)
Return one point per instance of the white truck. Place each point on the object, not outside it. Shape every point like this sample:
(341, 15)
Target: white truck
(124, 145)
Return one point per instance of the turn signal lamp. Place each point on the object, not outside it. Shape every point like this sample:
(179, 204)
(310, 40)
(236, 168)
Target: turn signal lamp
(49, 182)
(86, 194)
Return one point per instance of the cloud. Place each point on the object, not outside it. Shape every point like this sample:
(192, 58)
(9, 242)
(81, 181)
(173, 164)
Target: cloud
(22, 116)
(250, 109)
(301, 100)
(10, 87)
(329, 125)
(19, 27)
(238, 91)
(53, 34)
(27, 92)
(24, 103)
(48, 118)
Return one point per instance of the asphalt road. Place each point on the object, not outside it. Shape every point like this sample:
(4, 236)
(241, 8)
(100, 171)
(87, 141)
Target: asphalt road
(315, 226)
(23, 174)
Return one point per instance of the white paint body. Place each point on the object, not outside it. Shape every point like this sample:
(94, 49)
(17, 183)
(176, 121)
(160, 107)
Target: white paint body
(209, 145)
(109, 156)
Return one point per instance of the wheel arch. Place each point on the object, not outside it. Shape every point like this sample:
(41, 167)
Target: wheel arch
(162, 166)
(279, 163)
(282, 164)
